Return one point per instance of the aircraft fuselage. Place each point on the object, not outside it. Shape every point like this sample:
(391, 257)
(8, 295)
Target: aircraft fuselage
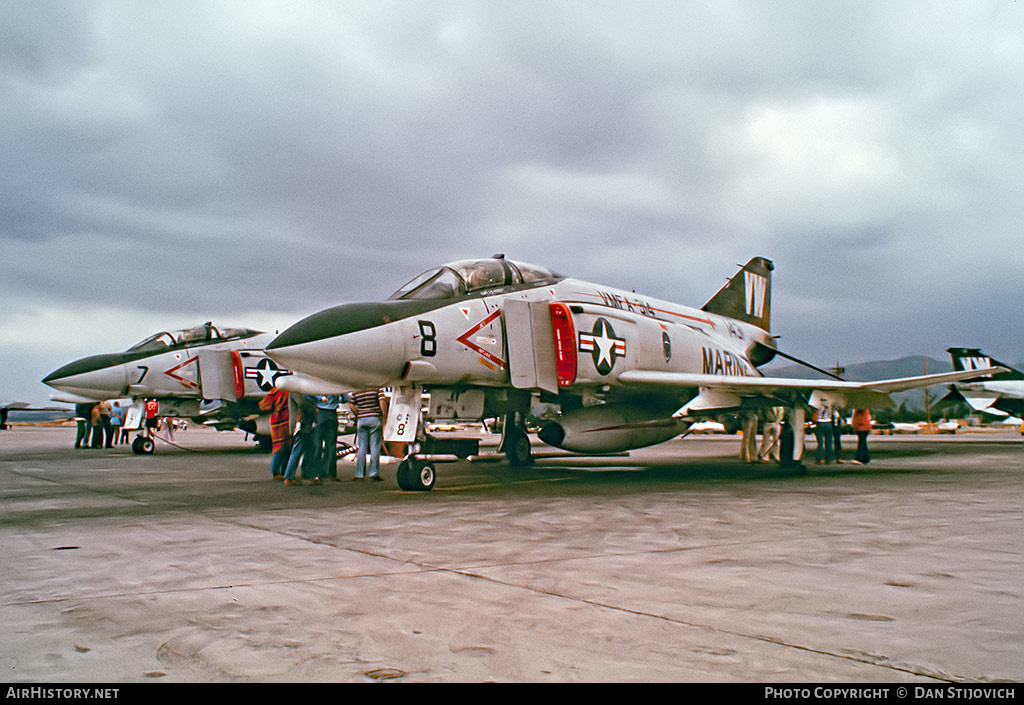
(174, 373)
(470, 341)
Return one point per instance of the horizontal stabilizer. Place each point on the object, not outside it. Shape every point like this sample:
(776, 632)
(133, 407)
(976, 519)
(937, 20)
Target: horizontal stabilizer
(984, 402)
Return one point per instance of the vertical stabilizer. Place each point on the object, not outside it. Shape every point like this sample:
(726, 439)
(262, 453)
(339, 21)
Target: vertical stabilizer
(975, 359)
(747, 296)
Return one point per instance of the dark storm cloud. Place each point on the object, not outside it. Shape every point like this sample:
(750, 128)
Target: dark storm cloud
(217, 159)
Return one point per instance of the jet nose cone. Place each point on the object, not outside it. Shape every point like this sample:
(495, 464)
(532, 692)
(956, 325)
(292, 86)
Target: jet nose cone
(356, 345)
(334, 322)
(96, 377)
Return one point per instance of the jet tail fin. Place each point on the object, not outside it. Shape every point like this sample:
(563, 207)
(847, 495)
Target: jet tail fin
(975, 359)
(747, 296)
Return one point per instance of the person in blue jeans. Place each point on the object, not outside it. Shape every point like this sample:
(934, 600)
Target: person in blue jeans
(368, 407)
(823, 430)
(327, 436)
(303, 444)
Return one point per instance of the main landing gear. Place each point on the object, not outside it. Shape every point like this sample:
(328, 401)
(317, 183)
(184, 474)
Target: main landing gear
(515, 443)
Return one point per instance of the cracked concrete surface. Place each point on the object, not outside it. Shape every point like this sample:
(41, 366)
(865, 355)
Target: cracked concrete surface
(676, 563)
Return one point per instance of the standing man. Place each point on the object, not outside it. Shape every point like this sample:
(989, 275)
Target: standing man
(862, 427)
(791, 446)
(96, 421)
(83, 417)
(837, 433)
(152, 416)
(368, 406)
(825, 452)
(327, 435)
(303, 411)
(748, 447)
(117, 421)
(276, 402)
(771, 433)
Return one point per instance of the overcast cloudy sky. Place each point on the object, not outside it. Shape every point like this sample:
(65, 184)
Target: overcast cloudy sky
(163, 164)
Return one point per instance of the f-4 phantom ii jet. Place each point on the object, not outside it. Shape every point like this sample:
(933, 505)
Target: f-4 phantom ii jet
(210, 375)
(1000, 395)
(625, 370)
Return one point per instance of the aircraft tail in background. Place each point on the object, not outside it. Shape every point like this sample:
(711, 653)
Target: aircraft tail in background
(975, 359)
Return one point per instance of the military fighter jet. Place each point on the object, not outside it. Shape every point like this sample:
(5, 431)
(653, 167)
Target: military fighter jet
(626, 370)
(999, 395)
(210, 375)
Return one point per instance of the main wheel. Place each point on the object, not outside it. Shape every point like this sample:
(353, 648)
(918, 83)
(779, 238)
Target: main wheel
(517, 450)
(416, 475)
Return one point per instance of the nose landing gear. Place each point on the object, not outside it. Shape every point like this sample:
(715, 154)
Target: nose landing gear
(416, 474)
(143, 445)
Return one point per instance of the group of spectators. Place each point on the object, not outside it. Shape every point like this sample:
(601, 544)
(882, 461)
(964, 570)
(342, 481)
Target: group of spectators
(103, 424)
(304, 430)
(100, 425)
(779, 440)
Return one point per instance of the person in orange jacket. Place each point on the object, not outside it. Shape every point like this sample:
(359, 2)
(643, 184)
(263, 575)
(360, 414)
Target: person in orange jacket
(276, 402)
(862, 427)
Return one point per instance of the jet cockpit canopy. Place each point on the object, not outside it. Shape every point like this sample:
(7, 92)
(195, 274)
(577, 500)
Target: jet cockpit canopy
(465, 277)
(205, 332)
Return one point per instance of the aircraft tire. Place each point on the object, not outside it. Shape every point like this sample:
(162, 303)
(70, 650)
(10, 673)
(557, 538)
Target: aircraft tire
(416, 475)
(143, 446)
(518, 449)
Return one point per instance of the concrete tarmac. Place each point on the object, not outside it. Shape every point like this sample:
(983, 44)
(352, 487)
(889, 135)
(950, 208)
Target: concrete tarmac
(676, 563)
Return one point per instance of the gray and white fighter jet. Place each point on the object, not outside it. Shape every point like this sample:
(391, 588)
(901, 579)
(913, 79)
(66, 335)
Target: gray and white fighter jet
(999, 395)
(215, 376)
(489, 336)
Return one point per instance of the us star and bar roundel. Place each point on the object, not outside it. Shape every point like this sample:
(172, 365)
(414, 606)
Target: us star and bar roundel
(603, 345)
(265, 373)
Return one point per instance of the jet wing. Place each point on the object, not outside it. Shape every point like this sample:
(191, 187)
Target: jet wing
(723, 391)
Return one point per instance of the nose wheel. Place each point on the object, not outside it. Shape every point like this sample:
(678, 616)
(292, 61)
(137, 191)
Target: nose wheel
(142, 445)
(416, 474)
